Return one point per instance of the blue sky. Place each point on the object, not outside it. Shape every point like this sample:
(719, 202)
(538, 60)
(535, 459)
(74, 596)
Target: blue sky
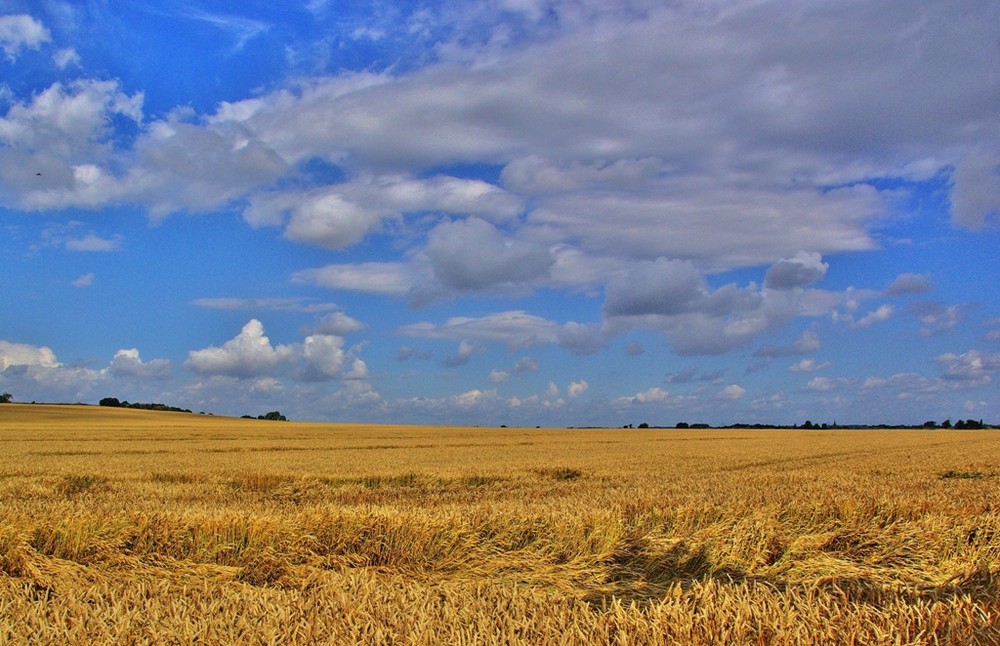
(523, 212)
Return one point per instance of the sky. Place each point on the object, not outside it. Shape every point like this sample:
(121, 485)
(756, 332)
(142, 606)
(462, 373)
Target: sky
(521, 212)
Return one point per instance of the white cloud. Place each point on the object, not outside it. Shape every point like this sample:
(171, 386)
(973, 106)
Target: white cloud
(386, 278)
(358, 373)
(883, 313)
(92, 242)
(976, 193)
(973, 366)
(462, 355)
(129, 365)
(672, 297)
(801, 270)
(822, 384)
(581, 338)
(600, 141)
(576, 388)
(654, 395)
(901, 381)
(662, 287)
(732, 391)
(324, 356)
(34, 373)
(937, 319)
(471, 399)
(20, 354)
(498, 376)
(242, 29)
(86, 280)
(526, 364)
(473, 255)
(808, 365)
(399, 194)
(249, 354)
(54, 145)
(328, 220)
(515, 328)
(63, 58)
(337, 323)
(19, 31)
(909, 284)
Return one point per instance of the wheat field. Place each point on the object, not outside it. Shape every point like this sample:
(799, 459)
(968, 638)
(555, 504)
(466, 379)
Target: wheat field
(120, 526)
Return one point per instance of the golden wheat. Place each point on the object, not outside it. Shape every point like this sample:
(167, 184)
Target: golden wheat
(123, 526)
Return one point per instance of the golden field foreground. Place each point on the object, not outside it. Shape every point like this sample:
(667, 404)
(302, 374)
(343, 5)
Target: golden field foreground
(129, 527)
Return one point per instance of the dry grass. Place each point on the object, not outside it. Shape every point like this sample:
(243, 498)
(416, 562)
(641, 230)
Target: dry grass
(122, 526)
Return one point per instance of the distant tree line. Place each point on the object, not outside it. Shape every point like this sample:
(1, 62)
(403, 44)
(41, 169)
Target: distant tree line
(273, 415)
(113, 402)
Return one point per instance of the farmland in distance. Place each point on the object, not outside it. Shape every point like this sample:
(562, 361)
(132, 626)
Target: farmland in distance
(130, 526)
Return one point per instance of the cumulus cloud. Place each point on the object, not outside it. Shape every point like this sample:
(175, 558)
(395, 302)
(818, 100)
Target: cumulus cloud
(128, 364)
(936, 318)
(526, 364)
(185, 166)
(699, 320)
(63, 58)
(905, 284)
(661, 287)
(396, 195)
(801, 270)
(674, 298)
(654, 395)
(337, 323)
(976, 194)
(581, 338)
(576, 388)
(473, 255)
(613, 162)
(248, 354)
(21, 354)
(462, 355)
(732, 391)
(974, 366)
(19, 31)
(879, 315)
(34, 373)
(54, 143)
(324, 356)
(328, 220)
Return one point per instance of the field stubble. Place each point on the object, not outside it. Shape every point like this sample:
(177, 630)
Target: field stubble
(120, 526)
